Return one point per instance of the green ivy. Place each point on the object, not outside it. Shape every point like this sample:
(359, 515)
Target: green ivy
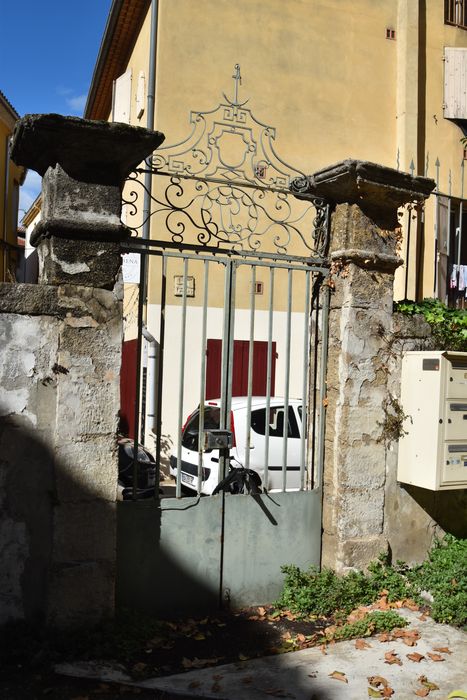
(449, 326)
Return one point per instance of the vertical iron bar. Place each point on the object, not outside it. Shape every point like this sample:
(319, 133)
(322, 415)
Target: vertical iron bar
(306, 356)
(226, 398)
(202, 393)
(459, 249)
(287, 381)
(268, 378)
(407, 255)
(250, 367)
(322, 385)
(160, 375)
(139, 343)
(178, 489)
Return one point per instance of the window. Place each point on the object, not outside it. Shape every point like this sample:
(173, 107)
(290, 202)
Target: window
(191, 433)
(276, 422)
(455, 12)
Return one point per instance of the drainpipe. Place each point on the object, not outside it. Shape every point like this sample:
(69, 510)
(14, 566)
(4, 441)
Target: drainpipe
(150, 108)
(151, 364)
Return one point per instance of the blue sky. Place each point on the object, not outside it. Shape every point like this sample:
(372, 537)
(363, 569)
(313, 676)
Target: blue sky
(48, 49)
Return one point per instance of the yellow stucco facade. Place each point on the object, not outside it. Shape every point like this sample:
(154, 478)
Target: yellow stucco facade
(11, 176)
(338, 79)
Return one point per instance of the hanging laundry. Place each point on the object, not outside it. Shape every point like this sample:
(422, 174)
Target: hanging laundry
(461, 278)
(453, 277)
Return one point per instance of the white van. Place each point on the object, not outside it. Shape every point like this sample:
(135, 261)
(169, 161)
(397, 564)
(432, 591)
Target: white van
(238, 427)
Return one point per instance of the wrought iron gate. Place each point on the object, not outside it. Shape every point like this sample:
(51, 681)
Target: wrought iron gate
(230, 256)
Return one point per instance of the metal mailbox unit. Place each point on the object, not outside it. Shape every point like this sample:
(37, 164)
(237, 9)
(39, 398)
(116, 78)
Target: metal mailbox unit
(433, 453)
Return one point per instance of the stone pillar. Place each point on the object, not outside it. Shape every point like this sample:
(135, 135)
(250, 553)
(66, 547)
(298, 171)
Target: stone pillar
(69, 329)
(364, 246)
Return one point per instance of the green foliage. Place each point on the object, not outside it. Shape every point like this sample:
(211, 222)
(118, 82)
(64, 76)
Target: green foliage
(373, 623)
(444, 575)
(449, 326)
(324, 593)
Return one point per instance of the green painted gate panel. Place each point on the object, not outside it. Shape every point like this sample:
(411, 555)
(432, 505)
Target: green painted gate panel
(169, 557)
(261, 534)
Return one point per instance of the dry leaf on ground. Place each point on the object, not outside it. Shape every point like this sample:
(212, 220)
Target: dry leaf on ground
(391, 657)
(377, 681)
(338, 676)
(443, 650)
(435, 657)
(422, 692)
(361, 644)
(415, 657)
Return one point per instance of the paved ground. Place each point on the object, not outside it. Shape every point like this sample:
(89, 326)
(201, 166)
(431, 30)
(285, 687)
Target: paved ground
(306, 674)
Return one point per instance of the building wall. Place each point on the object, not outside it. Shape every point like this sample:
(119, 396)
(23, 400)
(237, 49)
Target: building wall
(324, 73)
(10, 178)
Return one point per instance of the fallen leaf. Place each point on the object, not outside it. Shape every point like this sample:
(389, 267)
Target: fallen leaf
(242, 657)
(443, 650)
(422, 692)
(194, 684)
(199, 663)
(262, 611)
(423, 617)
(139, 667)
(377, 681)
(338, 676)
(392, 658)
(323, 649)
(215, 688)
(384, 637)
(361, 644)
(411, 605)
(435, 657)
(247, 680)
(373, 693)
(199, 636)
(415, 657)
(425, 682)
(301, 638)
(387, 692)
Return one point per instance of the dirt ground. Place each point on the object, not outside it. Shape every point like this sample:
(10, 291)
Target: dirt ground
(147, 649)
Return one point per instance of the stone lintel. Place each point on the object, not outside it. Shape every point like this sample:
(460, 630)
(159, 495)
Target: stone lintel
(375, 188)
(91, 151)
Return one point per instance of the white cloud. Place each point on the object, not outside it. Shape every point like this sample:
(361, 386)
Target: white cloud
(29, 191)
(63, 91)
(77, 103)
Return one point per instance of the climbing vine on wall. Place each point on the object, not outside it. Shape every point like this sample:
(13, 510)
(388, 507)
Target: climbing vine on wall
(449, 326)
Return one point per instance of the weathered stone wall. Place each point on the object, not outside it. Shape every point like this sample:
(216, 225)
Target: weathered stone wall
(59, 373)
(414, 516)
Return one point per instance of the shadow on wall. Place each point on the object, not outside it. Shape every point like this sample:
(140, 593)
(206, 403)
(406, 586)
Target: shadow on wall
(58, 539)
(446, 508)
(49, 571)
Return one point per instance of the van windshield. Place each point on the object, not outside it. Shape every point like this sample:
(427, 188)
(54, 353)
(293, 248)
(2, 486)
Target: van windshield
(190, 438)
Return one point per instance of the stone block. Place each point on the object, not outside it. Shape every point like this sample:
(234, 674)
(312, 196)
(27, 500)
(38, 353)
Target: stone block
(360, 512)
(79, 262)
(85, 531)
(81, 594)
(87, 470)
(358, 553)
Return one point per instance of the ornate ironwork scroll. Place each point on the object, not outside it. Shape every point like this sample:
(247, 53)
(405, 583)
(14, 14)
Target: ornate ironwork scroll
(225, 185)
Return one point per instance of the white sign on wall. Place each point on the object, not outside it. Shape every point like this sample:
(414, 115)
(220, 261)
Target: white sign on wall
(131, 264)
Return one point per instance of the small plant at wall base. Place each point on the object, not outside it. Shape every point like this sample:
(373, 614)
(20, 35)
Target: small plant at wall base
(449, 326)
(443, 574)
